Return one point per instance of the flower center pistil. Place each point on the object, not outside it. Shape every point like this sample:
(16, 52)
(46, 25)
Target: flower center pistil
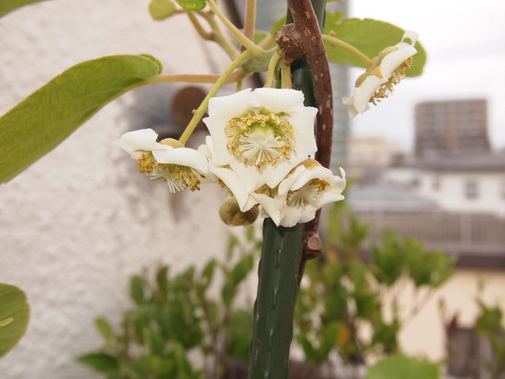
(260, 139)
(306, 195)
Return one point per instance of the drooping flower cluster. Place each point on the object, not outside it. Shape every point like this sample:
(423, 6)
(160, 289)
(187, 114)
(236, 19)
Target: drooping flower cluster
(259, 149)
(169, 160)
(386, 70)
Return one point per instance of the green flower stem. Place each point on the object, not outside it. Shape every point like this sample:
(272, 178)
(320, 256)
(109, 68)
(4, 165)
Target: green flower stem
(255, 50)
(286, 80)
(218, 36)
(269, 81)
(275, 302)
(199, 28)
(203, 106)
(347, 47)
(250, 19)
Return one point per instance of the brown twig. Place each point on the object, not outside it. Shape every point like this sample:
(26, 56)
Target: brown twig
(302, 39)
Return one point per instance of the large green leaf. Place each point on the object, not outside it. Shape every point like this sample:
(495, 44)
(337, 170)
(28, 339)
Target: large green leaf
(7, 6)
(45, 118)
(370, 37)
(14, 314)
(402, 367)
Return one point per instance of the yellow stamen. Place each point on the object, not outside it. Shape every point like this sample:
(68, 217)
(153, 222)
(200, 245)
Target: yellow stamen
(181, 176)
(387, 88)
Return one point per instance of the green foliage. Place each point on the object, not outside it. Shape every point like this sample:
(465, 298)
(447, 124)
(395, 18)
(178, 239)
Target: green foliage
(489, 324)
(192, 5)
(49, 115)
(174, 315)
(7, 6)
(370, 37)
(161, 9)
(402, 367)
(14, 315)
(343, 292)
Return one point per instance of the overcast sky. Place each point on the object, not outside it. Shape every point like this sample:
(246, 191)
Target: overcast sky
(465, 43)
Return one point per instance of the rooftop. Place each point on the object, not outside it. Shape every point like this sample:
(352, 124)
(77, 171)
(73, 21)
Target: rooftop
(466, 162)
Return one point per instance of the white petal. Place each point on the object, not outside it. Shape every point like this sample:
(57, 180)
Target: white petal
(270, 207)
(362, 94)
(139, 140)
(391, 61)
(182, 156)
(413, 36)
(278, 100)
(234, 183)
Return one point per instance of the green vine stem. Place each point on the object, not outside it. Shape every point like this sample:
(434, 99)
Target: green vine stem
(275, 301)
(281, 256)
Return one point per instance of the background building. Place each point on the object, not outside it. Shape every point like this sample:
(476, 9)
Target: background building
(444, 128)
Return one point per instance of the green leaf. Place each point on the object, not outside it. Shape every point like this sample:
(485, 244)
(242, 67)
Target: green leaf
(161, 9)
(192, 5)
(162, 367)
(100, 362)
(14, 315)
(104, 328)
(402, 367)
(45, 118)
(137, 290)
(370, 37)
(7, 6)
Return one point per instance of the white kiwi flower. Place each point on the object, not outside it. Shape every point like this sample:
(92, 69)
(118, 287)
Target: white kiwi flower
(179, 166)
(261, 134)
(306, 189)
(386, 70)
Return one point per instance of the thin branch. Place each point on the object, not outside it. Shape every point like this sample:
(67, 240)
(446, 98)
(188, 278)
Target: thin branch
(198, 114)
(255, 50)
(332, 40)
(303, 39)
(250, 19)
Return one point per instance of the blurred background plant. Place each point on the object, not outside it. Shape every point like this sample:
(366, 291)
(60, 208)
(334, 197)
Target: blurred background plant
(489, 326)
(349, 302)
(175, 317)
(348, 306)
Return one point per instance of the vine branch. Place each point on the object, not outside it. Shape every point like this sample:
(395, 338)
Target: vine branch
(303, 39)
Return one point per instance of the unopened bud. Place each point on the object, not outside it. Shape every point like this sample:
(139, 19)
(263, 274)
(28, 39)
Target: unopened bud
(161, 9)
(232, 215)
(172, 142)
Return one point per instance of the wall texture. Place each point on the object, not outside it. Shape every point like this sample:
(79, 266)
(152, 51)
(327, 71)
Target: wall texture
(79, 222)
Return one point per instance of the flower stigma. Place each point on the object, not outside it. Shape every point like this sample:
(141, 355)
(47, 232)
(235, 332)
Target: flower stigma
(307, 195)
(260, 139)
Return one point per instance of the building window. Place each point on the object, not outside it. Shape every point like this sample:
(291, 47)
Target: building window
(471, 189)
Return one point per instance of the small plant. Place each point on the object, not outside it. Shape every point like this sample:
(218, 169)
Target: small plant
(174, 316)
(489, 324)
(346, 292)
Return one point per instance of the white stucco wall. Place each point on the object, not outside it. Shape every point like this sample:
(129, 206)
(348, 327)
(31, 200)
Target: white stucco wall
(450, 193)
(79, 222)
(424, 335)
